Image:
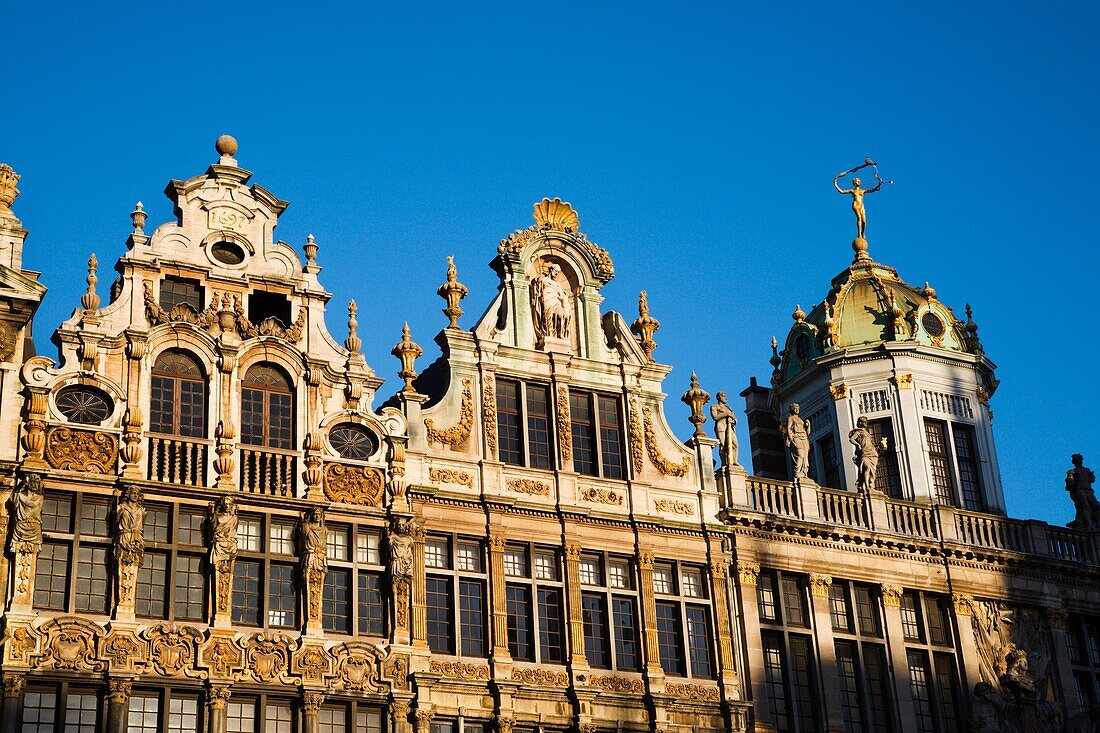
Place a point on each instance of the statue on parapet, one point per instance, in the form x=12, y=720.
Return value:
x=1079, y=480
x=857, y=193
x=866, y=454
x=796, y=435
x=725, y=430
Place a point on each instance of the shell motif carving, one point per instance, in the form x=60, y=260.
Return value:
x=458, y=433
x=557, y=215
x=81, y=450
x=353, y=484
x=662, y=464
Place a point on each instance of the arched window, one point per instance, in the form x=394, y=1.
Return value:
x=178, y=402
x=267, y=408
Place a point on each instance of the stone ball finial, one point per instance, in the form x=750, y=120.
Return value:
x=226, y=145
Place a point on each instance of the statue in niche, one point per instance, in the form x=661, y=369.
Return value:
x=725, y=431
x=26, y=533
x=866, y=454
x=1079, y=480
x=550, y=306
x=796, y=435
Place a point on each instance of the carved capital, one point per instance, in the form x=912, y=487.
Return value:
x=903, y=381
x=719, y=568
x=891, y=595
x=1056, y=618
x=645, y=560
x=747, y=572
x=819, y=584
x=839, y=391
x=217, y=697
x=118, y=690
x=964, y=604
x=497, y=542
x=312, y=702
x=14, y=685
x=572, y=551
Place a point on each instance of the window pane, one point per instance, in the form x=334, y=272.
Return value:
x=838, y=607
x=867, y=609
x=794, y=603
x=336, y=544
x=802, y=677
x=910, y=618
x=693, y=587
x=144, y=714
x=938, y=632
x=611, y=437
x=368, y=547
x=282, y=538
x=246, y=592
x=280, y=430
x=332, y=720
x=155, y=528
x=183, y=715
x=887, y=476
x=699, y=643
x=190, y=527
x=440, y=624
x=57, y=514
x=279, y=718
x=151, y=592
x=550, y=625
x=546, y=566
x=584, y=438
x=51, y=580
x=662, y=580
x=879, y=688
x=520, y=643
x=775, y=680
x=590, y=571
x=669, y=639
x=509, y=438
x=370, y=604
x=469, y=557
x=336, y=601
x=241, y=717
x=935, y=433
x=515, y=562
x=192, y=408
x=970, y=482
x=472, y=609
x=249, y=536
x=625, y=620
x=538, y=426
x=847, y=665
x=93, y=518
x=189, y=597
x=619, y=575
x=437, y=553
x=281, y=601
x=594, y=613
x=92, y=591
x=81, y=712
x=946, y=691
x=766, y=597
x=39, y=711
x=162, y=405
x=252, y=417
x=919, y=687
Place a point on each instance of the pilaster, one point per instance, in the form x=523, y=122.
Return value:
x=499, y=600
x=118, y=704
x=833, y=715
x=14, y=685
x=653, y=669
x=748, y=572
x=577, y=659
x=217, y=700
x=899, y=662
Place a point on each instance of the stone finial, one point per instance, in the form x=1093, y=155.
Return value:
x=799, y=315
x=138, y=217
x=90, y=300
x=645, y=326
x=928, y=292
x=695, y=398
x=972, y=341
x=776, y=361
x=452, y=292
x=226, y=145
x=897, y=322
x=353, y=343
x=407, y=351
x=310, y=248
x=8, y=191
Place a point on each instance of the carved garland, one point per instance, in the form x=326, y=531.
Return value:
x=544, y=677
x=528, y=486
x=489, y=415
x=674, y=507
x=81, y=450
x=450, y=476
x=635, y=428
x=459, y=670
x=618, y=684
x=665, y=466
x=697, y=693
x=601, y=496
x=460, y=431
x=565, y=432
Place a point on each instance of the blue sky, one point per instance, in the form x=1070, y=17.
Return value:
x=697, y=141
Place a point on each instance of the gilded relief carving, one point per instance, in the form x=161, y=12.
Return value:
x=267, y=656
x=20, y=642
x=624, y=685
x=634, y=426
x=489, y=415
x=458, y=433
x=70, y=645
x=172, y=649
x=693, y=693
x=81, y=450
x=450, y=476
x=357, y=667
x=528, y=486
x=543, y=677
x=565, y=432
x=670, y=506
x=662, y=464
x=312, y=663
x=353, y=484
x=222, y=656
x=459, y=670
x=600, y=495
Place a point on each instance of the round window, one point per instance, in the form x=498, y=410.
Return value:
x=933, y=324
x=84, y=405
x=353, y=441
x=227, y=253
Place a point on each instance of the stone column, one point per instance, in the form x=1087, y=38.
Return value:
x=832, y=716
x=499, y=598
x=419, y=592
x=13, y=702
x=399, y=716
x=217, y=698
x=311, y=707
x=723, y=614
x=909, y=440
x=424, y=721
x=576, y=617
x=118, y=704
x=653, y=668
x=895, y=645
x=845, y=422
x=969, y=659
x=1063, y=672
x=747, y=574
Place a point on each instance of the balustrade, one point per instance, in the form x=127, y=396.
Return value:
x=268, y=471
x=774, y=497
x=911, y=520
x=843, y=507
x=175, y=460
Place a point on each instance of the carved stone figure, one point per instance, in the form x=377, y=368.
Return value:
x=314, y=541
x=987, y=710
x=796, y=434
x=1079, y=480
x=550, y=306
x=724, y=430
x=26, y=534
x=223, y=547
x=401, y=548
x=866, y=454
x=130, y=516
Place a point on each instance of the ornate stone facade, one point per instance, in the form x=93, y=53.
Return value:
x=208, y=521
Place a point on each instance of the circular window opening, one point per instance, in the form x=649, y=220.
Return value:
x=227, y=253
x=933, y=325
x=84, y=405
x=353, y=441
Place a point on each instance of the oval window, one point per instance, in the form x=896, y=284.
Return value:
x=802, y=348
x=227, y=253
x=84, y=405
x=353, y=441
x=933, y=325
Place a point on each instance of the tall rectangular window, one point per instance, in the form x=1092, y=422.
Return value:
x=939, y=462
x=79, y=709
x=352, y=598
x=610, y=611
x=670, y=641
x=597, y=434
x=789, y=667
x=684, y=636
x=538, y=426
x=171, y=581
x=862, y=676
x=520, y=639
x=887, y=475
x=523, y=424
x=970, y=474
x=73, y=561
x=264, y=574
x=1083, y=640
x=509, y=436
x=933, y=674
x=472, y=616
x=596, y=646
x=440, y=613
x=456, y=596
x=144, y=714
x=534, y=604
x=827, y=447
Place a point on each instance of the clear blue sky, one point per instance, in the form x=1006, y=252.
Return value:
x=697, y=141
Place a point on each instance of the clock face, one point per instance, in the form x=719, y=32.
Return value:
x=933, y=324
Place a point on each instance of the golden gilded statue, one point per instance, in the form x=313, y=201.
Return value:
x=857, y=193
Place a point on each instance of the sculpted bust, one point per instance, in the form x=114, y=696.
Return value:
x=796, y=434
x=725, y=430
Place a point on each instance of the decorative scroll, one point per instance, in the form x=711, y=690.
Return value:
x=626, y=685
x=489, y=415
x=544, y=677
x=353, y=484
x=747, y=572
x=599, y=495
x=670, y=506
x=70, y=645
x=450, y=476
x=528, y=486
x=81, y=450
x=460, y=431
x=694, y=693
x=565, y=430
x=459, y=670
x=665, y=466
